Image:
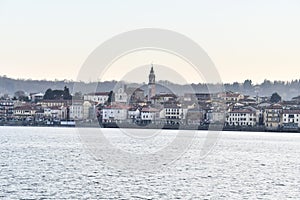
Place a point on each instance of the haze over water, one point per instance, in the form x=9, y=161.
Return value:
x=52, y=163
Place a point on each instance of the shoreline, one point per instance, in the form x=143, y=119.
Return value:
x=155, y=126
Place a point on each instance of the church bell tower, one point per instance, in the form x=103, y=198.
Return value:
x=151, y=84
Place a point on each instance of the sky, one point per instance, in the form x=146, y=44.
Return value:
x=51, y=39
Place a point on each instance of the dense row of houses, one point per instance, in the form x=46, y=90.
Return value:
x=137, y=106
x=190, y=109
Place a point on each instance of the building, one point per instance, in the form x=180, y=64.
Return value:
x=241, y=117
x=98, y=97
x=291, y=118
x=76, y=110
x=151, y=84
x=149, y=115
x=273, y=116
x=163, y=98
x=35, y=97
x=173, y=114
x=54, y=112
x=24, y=111
x=231, y=96
x=133, y=114
x=296, y=99
x=114, y=113
x=120, y=95
x=194, y=116
x=135, y=95
x=51, y=103
x=6, y=109
x=87, y=109
x=214, y=116
x=197, y=97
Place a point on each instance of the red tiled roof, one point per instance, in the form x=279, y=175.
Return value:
x=26, y=107
x=145, y=109
x=242, y=111
x=116, y=107
x=163, y=95
x=274, y=106
x=291, y=111
x=99, y=94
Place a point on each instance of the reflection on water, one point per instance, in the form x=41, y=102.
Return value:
x=53, y=163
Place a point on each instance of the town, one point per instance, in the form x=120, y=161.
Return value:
x=135, y=107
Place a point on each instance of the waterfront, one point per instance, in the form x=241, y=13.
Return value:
x=53, y=163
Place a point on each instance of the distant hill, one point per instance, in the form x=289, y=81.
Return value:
x=287, y=90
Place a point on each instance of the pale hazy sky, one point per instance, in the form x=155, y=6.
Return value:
x=255, y=39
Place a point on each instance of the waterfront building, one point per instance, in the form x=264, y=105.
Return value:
x=133, y=114
x=6, y=109
x=273, y=116
x=291, y=118
x=114, y=113
x=87, y=105
x=214, y=116
x=24, y=111
x=149, y=115
x=241, y=117
x=76, y=110
x=173, y=114
x=194, y=116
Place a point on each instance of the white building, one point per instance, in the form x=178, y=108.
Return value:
x=291, y=118
x=87, y=109
x=241, y=117
x=133, y=113
x=121, y=96
x=6, y=108
x=53, y=112
x=114, y=113
x=149, y=114
x=173, y=114
x=34, y=97
x=76, y=110
x=24, y=111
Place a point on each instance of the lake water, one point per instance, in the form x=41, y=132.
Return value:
x=55, y=163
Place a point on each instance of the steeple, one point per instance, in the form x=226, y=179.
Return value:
x=151, y=84
x=151, y=76
x=152, y=71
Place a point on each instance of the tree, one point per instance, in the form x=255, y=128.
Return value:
x=247, y=85
x=66, y=94
x=275, y=98
x=49, y=94
x=58, y=94
x=236, y=86
x=19, y=94
x=24, y=98
x=110, y=97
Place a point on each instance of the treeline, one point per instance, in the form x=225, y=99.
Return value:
x=286, y=89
